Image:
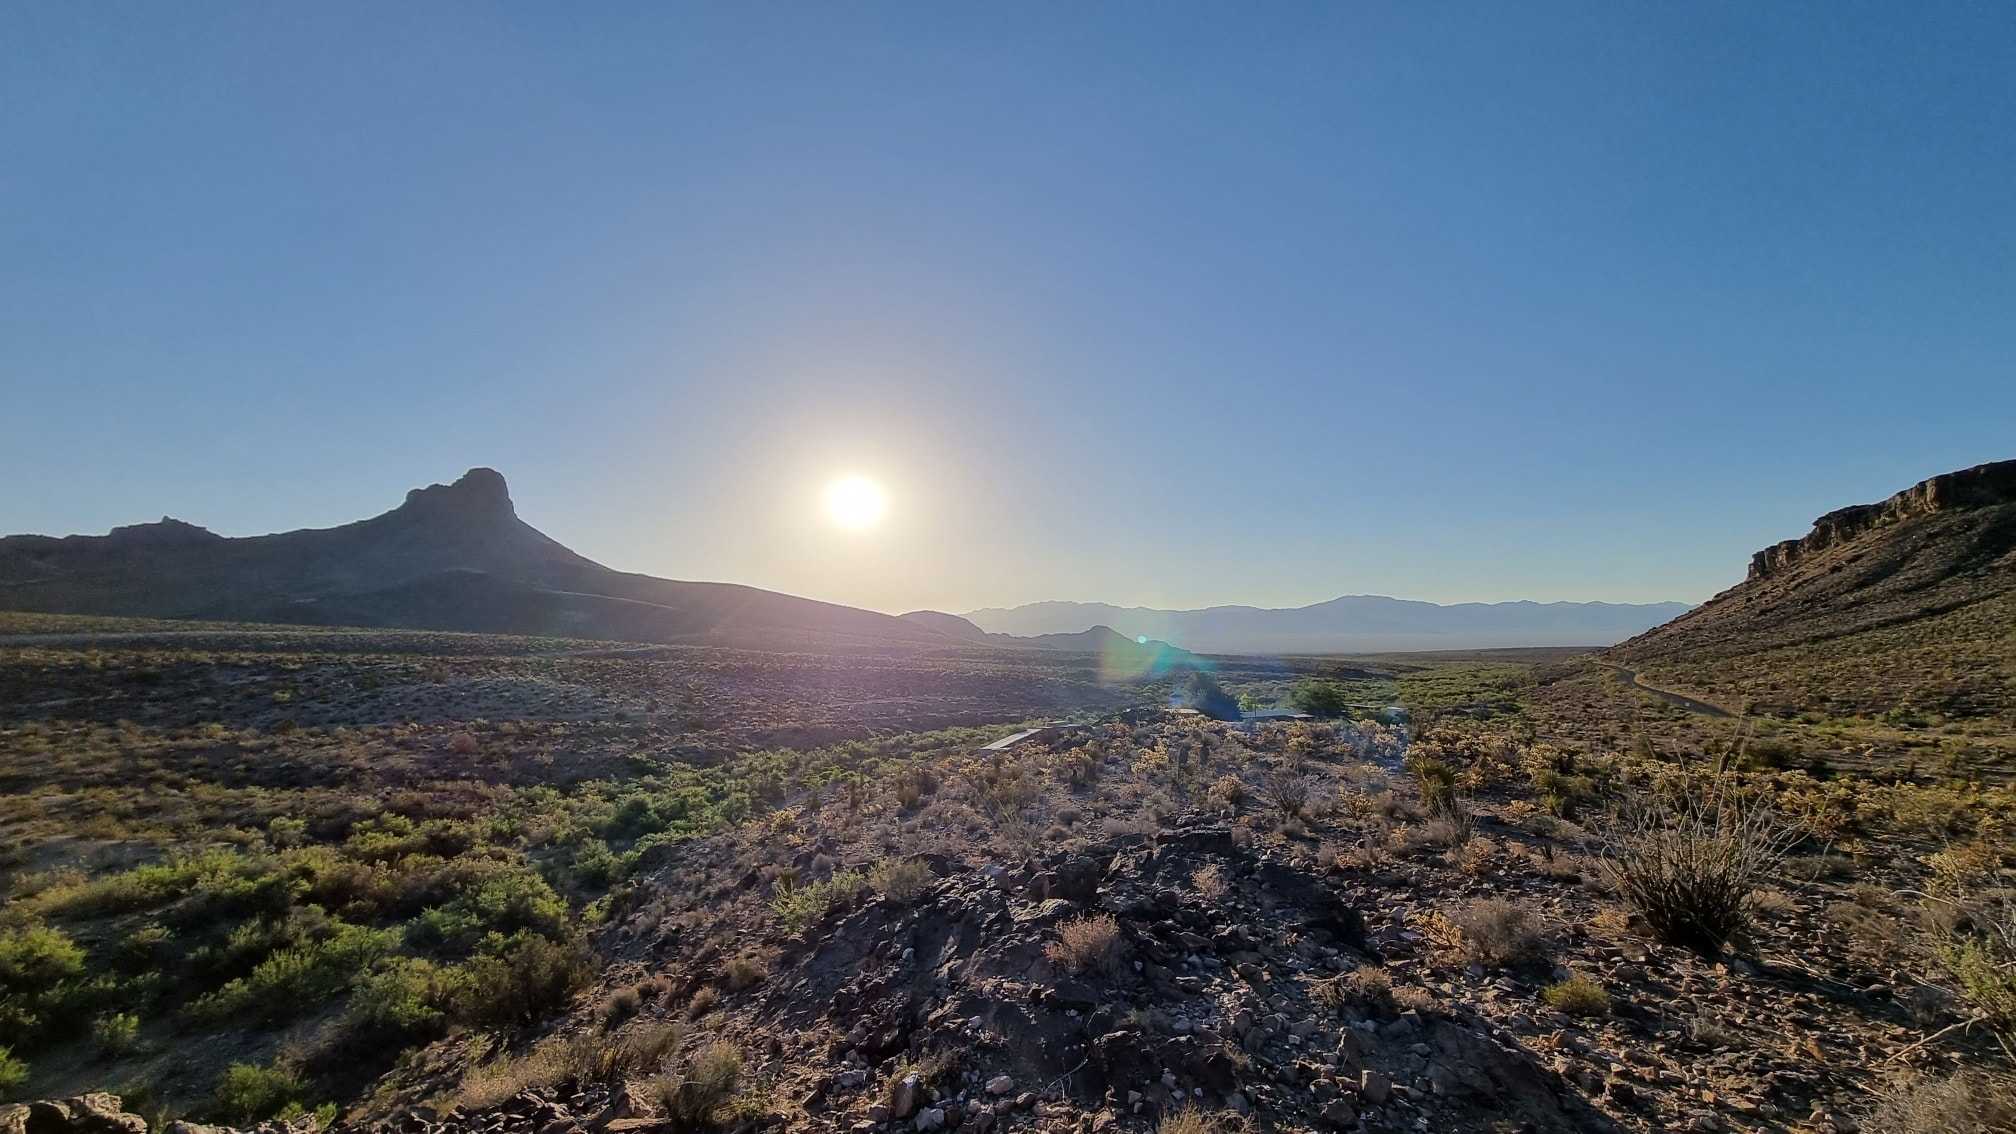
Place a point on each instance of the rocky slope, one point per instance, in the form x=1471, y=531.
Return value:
x=1908, y=605
x=452, y=557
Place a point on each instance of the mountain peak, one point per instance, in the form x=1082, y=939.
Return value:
x=478, y=492
x=166, y=530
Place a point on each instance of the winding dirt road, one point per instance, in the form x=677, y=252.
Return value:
x=1681, y=699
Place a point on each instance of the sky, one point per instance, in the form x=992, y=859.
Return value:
x=1141, y=303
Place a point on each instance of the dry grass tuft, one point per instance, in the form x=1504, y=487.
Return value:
x=900, y=880
x=1187, y=1120
x=1496, y=932
x=692, y=1090
x=1965, y=1103
x=1210, y=882
x=1087, y=944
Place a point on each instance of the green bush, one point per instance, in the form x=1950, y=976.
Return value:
x=1320, y=698
x=800, y=906
x=37, y=957
x=491, y=897
x=517, y=981
x=247, y=1093
x=13, y=1073
x=1577, y=996
x=116, y=1033
x=405, y=1000
x=41, y=971
x=291, y=979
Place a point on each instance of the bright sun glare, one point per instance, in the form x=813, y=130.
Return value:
x=856, y=502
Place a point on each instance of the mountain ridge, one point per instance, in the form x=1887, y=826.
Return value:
x=1348, y=623
x=450, y=557
x=1903, y=606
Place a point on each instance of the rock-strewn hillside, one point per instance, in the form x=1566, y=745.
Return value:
x=1905, y=607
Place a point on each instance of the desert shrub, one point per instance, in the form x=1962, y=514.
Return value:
x=1320, y=698
x=800, y=906
x=490, y=897
x=1287, y=793
x=13, y=1073
x=1451, y=829
x=1086, y=944
x=1577, y=996
x=900, y=880
x=1496, y=932
x=1201, y=691
x=406, y=999
x=1685, y=860
x=292, y=979
x=1437, y=780
x=1209, y=881
x=693, y=1089
x=743, y=970
x=1962, y=1103
x=620, y=1005
x=1977, y=948
x=1187, y=1120
x=702, y=1003
x=115, y=1033
x=248, y=1093
x=1228, y=791
x=1963, y=866
x=40, y=968
x=519, y=980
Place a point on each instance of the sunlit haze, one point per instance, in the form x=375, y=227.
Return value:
x=1234, y=305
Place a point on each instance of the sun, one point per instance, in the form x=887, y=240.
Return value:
x=856, y=502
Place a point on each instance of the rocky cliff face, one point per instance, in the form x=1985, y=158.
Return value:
x=1980, y=486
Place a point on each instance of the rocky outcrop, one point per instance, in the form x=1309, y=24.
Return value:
x=1980, y=486
x=83, y=1114
x=101, y=1113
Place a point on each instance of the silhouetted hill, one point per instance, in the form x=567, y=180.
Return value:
x=1102, y=640
x=1351, y=624
x=452, y=557
x=1904, y=607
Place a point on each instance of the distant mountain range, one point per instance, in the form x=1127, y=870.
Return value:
x=452, y=557
x=1351, y=624
x=457, y=557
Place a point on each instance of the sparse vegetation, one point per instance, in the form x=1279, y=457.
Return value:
x=1086, y=945
x=1686, y=860
x=1577, y=996
x=900, y=880
x=693, y=1089
x=1496, y=932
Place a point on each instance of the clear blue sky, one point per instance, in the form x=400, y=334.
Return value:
x=1562, y=301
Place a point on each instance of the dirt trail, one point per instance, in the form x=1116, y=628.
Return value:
x=1692, y=704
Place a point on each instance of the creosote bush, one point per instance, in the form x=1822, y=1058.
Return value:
x=1577, y=996
x=1496, y=932
x=692, y=1089
x=1086, y=944
x=1686, y=859
x=900, y=880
